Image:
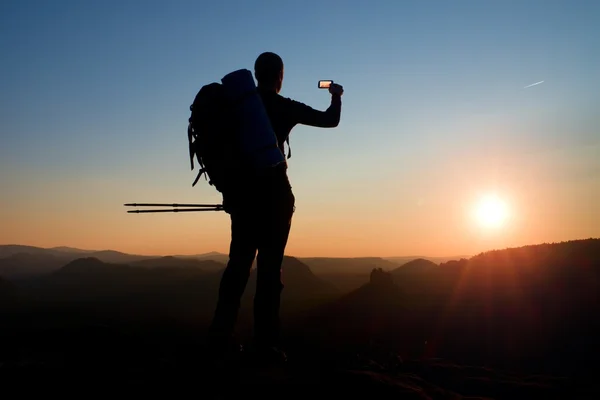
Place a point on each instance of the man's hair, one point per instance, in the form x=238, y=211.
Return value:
x=267, y=67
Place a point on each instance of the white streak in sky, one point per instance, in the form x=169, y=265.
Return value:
x=533, y=84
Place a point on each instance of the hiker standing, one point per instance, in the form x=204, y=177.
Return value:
x=261, y=209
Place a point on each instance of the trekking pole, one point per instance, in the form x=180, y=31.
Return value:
x=175, y=207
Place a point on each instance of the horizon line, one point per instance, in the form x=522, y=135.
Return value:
x=220, y=253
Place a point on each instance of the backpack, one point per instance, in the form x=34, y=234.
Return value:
x=229, y=132
x=210, y=130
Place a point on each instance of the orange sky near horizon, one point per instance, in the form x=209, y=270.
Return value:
x=542, y=207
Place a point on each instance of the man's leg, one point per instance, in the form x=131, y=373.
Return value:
x=242, y=251
x=273, y=240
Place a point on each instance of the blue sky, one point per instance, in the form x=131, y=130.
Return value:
x=94, y=101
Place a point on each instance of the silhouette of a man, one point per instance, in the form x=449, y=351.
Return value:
x=261, y=212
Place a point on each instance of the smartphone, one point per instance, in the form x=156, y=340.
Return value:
x=325, y=84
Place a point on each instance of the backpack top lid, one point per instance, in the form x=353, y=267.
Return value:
x=257, y=139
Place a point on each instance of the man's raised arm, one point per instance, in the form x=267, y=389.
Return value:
x=330, y=118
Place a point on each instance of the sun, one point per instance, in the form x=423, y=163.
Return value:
x=491, y=211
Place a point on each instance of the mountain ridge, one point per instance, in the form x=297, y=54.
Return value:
x=11, y=248
x=23, y=261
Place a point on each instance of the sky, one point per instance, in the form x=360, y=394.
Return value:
x=95, y=96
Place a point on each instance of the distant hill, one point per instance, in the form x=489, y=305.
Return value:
x=327, y=266
x=27, y=265
x=213, y=256
x=417, y=266
x=8, y=250
x=67, y=254
x=24, y=262
x=66, y=249
x=437, y=260
x=178, y=262
x=111, y=256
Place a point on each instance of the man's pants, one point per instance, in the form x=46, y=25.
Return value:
x=260, y=223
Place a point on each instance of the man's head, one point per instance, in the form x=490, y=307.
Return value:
x=268, y=71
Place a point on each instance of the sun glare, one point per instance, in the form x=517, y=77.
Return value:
x=491, y=211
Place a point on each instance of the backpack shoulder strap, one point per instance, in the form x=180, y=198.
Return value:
x=190, y=132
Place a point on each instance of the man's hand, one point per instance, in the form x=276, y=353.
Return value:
x=336, y=89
